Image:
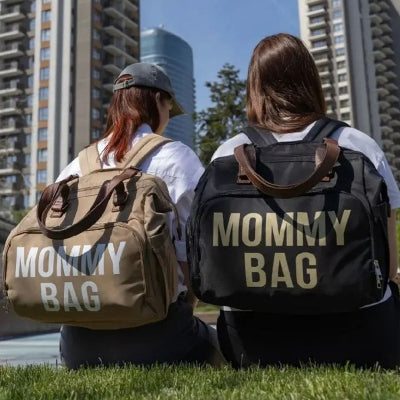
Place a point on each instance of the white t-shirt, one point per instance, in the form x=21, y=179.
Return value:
x=180, y=169
x=347, y=137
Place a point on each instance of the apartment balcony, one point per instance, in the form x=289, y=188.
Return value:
x=387, y=130
x=131, y=6
x=9, y=168
x=388, y=62
x=14, y=31
x=392, y=99
x=383, y=4
x=382, y=91
x=316, y=12
x=380, y=66
x=391, y=86
x=113, y=65
x=377, y=31
x=379, y=55
x=374, y=7
x=396, y=150
x=376, y=20
x=385, y=117
x=394, y=111
x=10, y=127
x=12, y=14
x=116, y=47
x=377, y=43
x=108, y=86
x=117, y=11
x=9, y=188
x=113, y=28
x=383, y=104
x=9, y=147
x=11, y=50
x=385, y=16
x=10, y=69
x=388, y=51
x=390, y=75
x=10, y=88
x=10, y=107
x=381, y=80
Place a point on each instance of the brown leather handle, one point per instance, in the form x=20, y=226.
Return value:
x=331, y=154
x=52, y=192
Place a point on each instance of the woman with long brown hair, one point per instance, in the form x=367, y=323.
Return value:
x=285, y=100
x=142, y=103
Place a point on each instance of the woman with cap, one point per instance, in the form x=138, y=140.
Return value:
x=142, y=103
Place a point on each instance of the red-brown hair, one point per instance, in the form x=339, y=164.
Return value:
x=284, y=92
x=129, y=108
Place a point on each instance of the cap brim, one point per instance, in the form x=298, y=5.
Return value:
x=176, y=109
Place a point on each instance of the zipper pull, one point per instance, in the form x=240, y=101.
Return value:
x=378, y=274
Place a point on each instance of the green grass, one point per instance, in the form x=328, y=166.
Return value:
x=198, y=383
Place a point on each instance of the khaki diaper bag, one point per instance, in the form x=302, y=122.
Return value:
x=96, y=251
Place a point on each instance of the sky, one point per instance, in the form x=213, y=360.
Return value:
x=220, y=31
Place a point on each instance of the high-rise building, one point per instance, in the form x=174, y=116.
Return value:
x=58, y=60
x=175, y=55
x=356, y=47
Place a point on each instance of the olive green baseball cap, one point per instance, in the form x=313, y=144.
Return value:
x=149, y=75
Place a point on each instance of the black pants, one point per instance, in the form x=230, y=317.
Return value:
x=179, y=338
x=364, y=338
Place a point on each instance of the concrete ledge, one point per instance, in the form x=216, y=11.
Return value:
x=13, y=325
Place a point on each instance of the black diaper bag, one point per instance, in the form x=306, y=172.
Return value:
x=290, y=227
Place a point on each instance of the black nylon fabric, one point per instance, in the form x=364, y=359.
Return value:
x=323, y=251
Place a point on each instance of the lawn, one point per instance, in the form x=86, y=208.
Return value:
x=198, y=383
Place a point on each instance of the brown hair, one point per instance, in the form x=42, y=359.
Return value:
x=129, y=108
x=284, y=92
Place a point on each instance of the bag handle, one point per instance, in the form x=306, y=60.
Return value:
x=332, y=151
x=52, y=192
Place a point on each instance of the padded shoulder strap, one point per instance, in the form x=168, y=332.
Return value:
x=259, y=137
x=141, y=150
x=89, y=159
x=322, y=129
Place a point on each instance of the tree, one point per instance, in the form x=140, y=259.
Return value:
x=224, y=119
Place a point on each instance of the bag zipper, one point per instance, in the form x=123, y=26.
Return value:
x=378, y=274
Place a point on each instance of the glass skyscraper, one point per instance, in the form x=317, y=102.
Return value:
x=176, y=57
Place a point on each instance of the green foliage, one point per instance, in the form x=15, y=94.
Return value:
x=227, y=115
x=194, y=383
x=18, y=215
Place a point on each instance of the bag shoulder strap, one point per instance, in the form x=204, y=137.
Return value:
x=135, y=156
x=89, y=159
x=259, y=137
x=322, y=129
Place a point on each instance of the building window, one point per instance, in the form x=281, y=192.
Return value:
x=343, y=90
x=96, y=73
x=336, y=3
x=46, y=15
x=96, y=54
x=316, y=20
x=342, y=77
x=28, y=140
x=345, y=116
x=344, y=103
x=95, y=133
x=339, y=39
x=45, y=35
x=337, y=27
x=44, y=74
x=46, y=1
x=96, y=17
x=96, y=93
x=96, y=34
x=95, y=113
x=43, y=114
x=28, y=119
x=32, y=8
x=316, y=7
x=318, y=43
x=317, y=32
x=31, y=61
x=28, y=159
x=38, y=195
x=32, y=24
x=42, y=134
x=31, y=44
x=341, y=64
x=42, y=155
x=29, y=81
x=26, y=199
x=45, y=53
x=44, y=93
x=41, y=176
x=337, y=14
x=340, y=51
x=29, y=100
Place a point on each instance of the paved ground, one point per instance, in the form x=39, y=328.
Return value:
x=37, y=349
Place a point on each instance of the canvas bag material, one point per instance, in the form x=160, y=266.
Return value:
x=96, y=251
x=290, y=227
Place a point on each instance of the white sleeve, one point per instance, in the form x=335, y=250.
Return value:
x=72, y=168
x=393, y=190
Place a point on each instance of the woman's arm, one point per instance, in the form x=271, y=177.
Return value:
x=393, y=248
